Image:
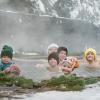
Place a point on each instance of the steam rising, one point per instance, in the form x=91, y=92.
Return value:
x=28, y=32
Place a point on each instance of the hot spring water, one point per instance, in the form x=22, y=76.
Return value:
x=30, y=70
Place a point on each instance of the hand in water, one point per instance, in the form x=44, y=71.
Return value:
x=7, y=70
x=12, y=69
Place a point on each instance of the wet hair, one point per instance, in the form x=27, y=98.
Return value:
x=90, y=50
x=62, y=49
x=55, y=56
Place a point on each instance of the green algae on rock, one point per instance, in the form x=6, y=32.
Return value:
x=62, y=83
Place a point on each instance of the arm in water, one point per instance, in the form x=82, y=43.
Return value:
x=12, y=69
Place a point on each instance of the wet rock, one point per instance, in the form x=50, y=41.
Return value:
x=91, y=80
x=21, y=90
x=24, y=83
x=69, y=82
x=63, y=83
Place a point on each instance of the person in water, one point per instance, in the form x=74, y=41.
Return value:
x=53, y=60
x=91, y=60
x=7, y=66
x=67, y=63
x=52, y=48
x=62, y=53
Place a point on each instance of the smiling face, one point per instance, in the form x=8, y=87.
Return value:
x=53, y=62
x=5, y=59
x=90, y=57
x=62, y=55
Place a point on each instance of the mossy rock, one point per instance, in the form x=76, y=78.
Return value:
x=98, y=78
x=56, y=81
x=74, y=83
x=73, y=80
x=28, y=83
x=23, y=82
x=37, y=85
x=6, y=80
x=91, y=80
x=76, y=88
x=64, y=82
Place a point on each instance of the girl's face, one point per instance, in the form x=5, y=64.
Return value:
x=53, y=62
x=5, y=59
x=62, y=55
x=90, y=56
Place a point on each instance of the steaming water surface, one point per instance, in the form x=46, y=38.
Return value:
x=29, y=69
x=87, y=72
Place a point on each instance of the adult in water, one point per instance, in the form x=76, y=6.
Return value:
x=91, y=60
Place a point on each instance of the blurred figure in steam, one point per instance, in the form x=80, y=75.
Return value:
x=52, y=48
x=7, y=66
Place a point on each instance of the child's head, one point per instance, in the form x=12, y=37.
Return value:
x=53, y=59
x=62, y=52
x=90, y=54
x=52, y=48
x=6, y=54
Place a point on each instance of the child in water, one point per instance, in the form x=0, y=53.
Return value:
x=7, y=66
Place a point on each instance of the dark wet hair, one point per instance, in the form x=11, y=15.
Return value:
x=62, y=49
x=55, y=56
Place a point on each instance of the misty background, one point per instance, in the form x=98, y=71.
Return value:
x=32, y=25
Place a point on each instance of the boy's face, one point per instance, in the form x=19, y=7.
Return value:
x=90, y=56
x=5, y=59
x=53, y=62
x=62, y=55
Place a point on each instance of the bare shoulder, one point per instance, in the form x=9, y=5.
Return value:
x=49, y=68
x=98, y=61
